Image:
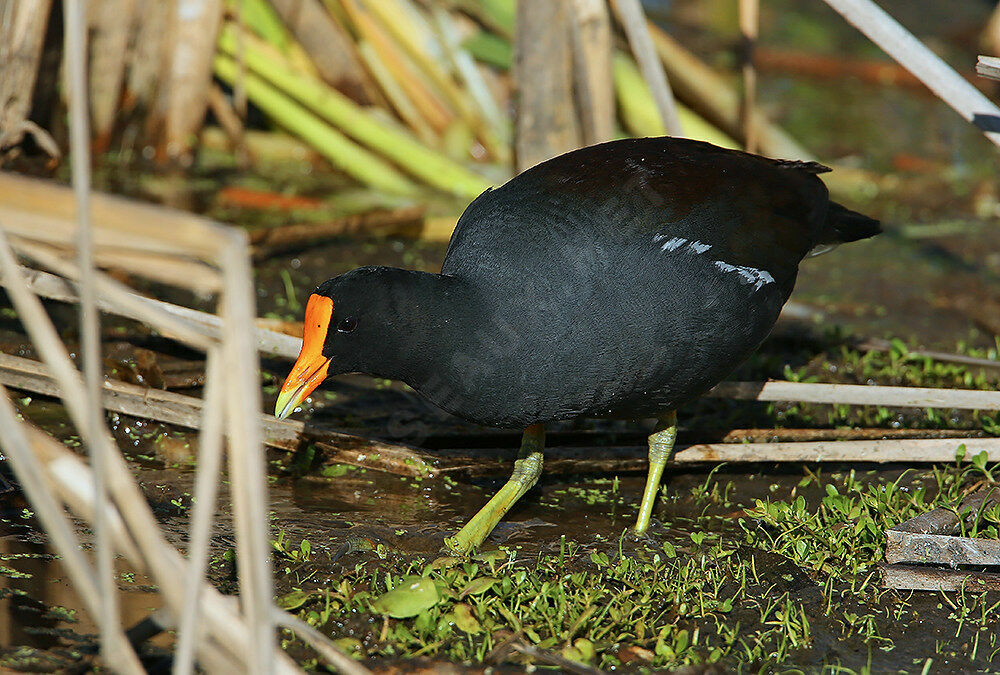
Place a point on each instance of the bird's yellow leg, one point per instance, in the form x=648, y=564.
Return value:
x=661, y=447
x=527, y=469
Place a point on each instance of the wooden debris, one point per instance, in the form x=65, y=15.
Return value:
x=907, y=451
x=169, y=407
x=926, y=540
x=939, y=549
x=856, y=394
x=946, y=521
x=273, y=240
x=909, y=578
x=989, y=66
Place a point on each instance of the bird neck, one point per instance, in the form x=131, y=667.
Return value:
x=427, y=314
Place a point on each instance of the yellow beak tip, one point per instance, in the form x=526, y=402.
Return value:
x=285, y=404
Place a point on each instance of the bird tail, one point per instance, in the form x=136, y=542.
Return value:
x=842, y=226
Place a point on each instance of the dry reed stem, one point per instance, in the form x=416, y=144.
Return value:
x=36, y=484
x=116, y=294
x=881, y=451
x=205, y=493
x=75, y=54
x=246, y=455
x=857, y=394
x=162, y=560
x=123, y=223
x=633, y=20
x=749, y=11
x=989, y=66
x=55, y=288
x=927, y=66
x=594, y=85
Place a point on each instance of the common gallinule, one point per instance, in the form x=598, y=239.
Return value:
x=617, y=280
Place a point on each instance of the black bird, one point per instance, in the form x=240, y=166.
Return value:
x=617, y=280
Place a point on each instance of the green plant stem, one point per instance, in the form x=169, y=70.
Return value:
x=340, y=150
x=433, y=168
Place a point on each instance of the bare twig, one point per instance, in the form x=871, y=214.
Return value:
x=633, y=20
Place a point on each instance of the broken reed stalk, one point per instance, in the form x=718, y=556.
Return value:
x=496, y=130
x=430, y=166
x=710, y=95
x=111, y=29
x=431, y=107
x=194, y=28
x=639, y=113
x=75, y=46
x=927, y=66
x=341, y=662
x=633, y=20
x=222, y=621
x=328, y=46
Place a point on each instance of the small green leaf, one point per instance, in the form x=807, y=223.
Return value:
x=477, y=586
x=465, y=620
x=409, y=598
x=294, y=600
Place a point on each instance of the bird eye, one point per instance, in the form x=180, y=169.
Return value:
x=346, y=325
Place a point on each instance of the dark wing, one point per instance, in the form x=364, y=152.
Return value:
x=754, y=212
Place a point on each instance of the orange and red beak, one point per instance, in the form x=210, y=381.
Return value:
x=310, y=368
